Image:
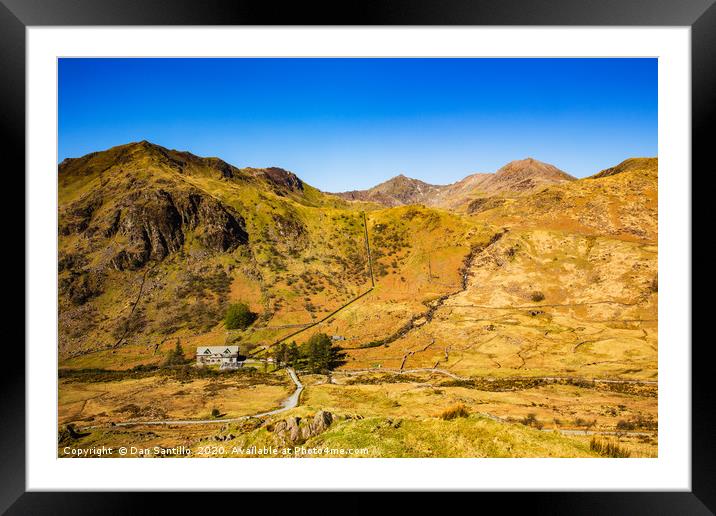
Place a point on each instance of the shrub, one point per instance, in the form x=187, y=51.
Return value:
x=531, y=420
x=537, y=296
x=625, y=425
x=215, y=413
x=639, y=422
x=239, y=316
x=455, y=412
x=608, y=449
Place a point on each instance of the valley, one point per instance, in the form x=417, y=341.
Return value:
x=509, y=314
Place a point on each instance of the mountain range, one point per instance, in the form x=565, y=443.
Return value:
x=154, y=243
x=516, y=178
x=482, y=310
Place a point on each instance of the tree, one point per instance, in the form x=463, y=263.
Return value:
x=239, y=316
x=293, y=354
x=320, y=353
x=175, y=356
x=280, y=354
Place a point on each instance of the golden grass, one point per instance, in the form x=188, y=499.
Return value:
x=154, y=397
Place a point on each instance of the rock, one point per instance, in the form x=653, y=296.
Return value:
x=154, y=223
x=283, y=179
x=294, y=431
x=321, y=421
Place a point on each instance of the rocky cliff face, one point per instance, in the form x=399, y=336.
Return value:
x=148, y=224
x=155, y=222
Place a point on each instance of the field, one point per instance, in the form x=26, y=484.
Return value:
x=156, y=398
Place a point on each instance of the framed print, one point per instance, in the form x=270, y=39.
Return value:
x=418, y=249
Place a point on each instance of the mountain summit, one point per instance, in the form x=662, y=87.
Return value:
x=514, y=179
x=395, y=191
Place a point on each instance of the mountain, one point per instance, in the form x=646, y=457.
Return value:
x=397, y=191
x=621, y=201
x=156, y=242
x=514, y=179
x=631, y=164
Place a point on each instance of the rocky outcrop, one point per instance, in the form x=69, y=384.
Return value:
x=152, y=226
x=294, y=430
x=321, y=421
x=154, y=222
x=78, y=215
x=283, y=179
x=218, y=226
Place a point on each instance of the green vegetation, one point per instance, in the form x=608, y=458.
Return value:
x=176, y=356
x=316, y=355
x=320, y=354
x=454, y=412
x=239, y=317
x=286, y=354
x=608, y=449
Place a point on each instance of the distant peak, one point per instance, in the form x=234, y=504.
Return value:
x=526, y=161
x=141, y=143
x=282, y=177
x=531, y=167
x=402, y=178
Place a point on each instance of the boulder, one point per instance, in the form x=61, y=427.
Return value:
x=321, y=421
x=295, y=431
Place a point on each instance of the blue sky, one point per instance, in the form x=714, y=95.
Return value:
x=351, y=123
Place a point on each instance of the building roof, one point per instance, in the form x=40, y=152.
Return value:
x=217, y=350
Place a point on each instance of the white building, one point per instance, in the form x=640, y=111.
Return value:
x=226, y=357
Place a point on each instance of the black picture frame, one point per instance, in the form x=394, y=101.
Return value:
x=700, y=15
